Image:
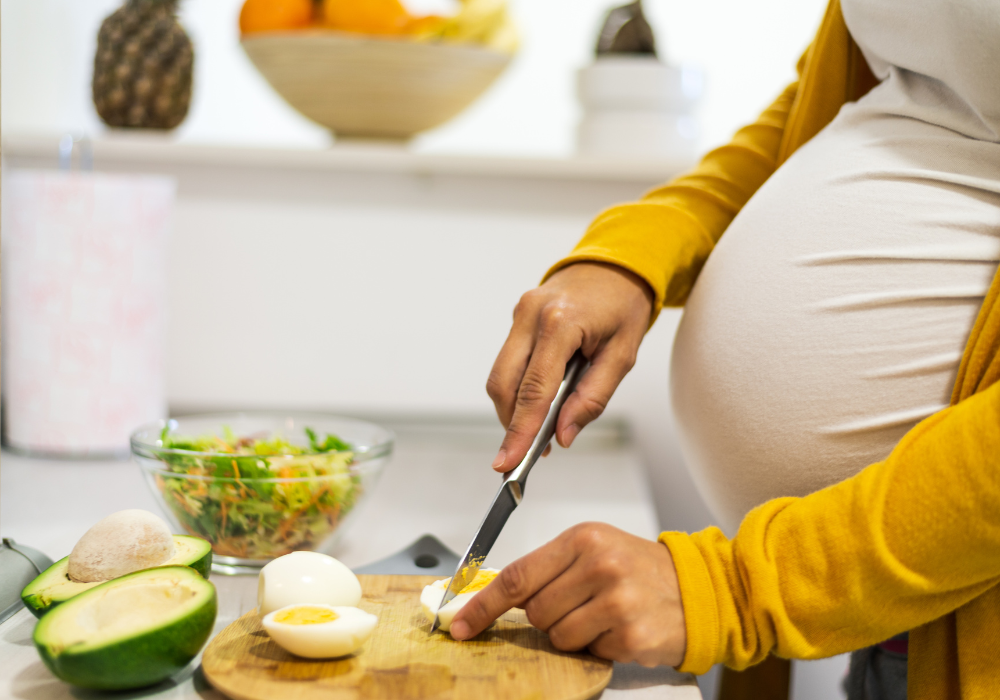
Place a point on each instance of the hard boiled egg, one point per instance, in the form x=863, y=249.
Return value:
x=431, y=596
x=306, y=577
x=319, y=631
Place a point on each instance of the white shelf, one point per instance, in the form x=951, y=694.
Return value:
x=146, y=150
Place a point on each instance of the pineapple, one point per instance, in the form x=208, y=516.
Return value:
x=143, y=66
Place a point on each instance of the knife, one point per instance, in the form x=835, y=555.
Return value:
x=512, y=489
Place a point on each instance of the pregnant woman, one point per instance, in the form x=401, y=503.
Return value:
x=834, y=375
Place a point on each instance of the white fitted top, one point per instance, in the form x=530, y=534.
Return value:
x=832, y=316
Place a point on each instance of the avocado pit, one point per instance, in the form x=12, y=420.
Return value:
x=124, y=542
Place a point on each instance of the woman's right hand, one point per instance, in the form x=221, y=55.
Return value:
x=599, y=308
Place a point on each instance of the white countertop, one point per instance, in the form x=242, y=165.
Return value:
x=438, y=482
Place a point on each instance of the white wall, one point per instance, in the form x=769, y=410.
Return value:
x=746, y=49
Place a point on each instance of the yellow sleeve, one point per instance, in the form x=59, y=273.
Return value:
x=902, y=543
x=666, y=237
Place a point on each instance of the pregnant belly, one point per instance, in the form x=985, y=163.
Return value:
x=832, y=316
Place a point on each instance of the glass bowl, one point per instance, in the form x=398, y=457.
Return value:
x=255, y=507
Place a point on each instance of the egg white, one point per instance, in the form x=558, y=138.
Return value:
x=305, y=577
x=323, y=640
x=430, y=599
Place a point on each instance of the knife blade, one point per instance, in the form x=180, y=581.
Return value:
x=511, y=491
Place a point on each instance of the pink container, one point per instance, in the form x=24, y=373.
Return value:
x=84, y=309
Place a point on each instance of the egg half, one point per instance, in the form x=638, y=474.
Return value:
x=305, y=577
x=320, y=631
x=431, y=596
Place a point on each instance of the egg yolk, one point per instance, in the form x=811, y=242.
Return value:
x=306, y=616
x=480, y=582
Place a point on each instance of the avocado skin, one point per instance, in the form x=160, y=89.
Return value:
x=39, y=604
x=139, y=661
x=204, y=565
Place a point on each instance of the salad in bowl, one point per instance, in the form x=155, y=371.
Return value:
x=260, y=486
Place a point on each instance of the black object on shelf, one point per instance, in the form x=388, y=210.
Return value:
x=626, y=31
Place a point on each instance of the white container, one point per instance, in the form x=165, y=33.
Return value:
x=637, y=134
x=637, y=107
x=84, y=294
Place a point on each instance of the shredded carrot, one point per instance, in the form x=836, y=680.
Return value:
x=291, y=520
x=184, y=504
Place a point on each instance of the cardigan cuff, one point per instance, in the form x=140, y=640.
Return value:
x=663, y=244
x=701, y=613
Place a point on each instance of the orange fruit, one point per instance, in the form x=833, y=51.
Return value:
x=366, y=16
x=275, y=15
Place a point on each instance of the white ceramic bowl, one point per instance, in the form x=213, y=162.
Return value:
x=364, y=86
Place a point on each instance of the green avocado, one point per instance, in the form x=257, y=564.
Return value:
x=130, y=632
x=54, y=586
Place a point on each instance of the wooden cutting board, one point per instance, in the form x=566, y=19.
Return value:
x=510, y=661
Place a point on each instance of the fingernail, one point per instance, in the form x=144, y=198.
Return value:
x=501, y=458
x=459, y=630
x=569, y=435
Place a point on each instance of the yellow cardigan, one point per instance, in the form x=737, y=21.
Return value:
x=911, y=543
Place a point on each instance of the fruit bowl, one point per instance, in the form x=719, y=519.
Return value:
x=364, y=86
x=258, y=486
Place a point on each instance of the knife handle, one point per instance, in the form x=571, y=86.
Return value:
x=575, y=368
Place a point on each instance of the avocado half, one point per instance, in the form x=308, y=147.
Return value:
x=129, y=632
x=54, y=586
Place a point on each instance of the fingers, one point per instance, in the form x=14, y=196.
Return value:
x=556, y=343
x=609, y=366
x=593, y=587
x=505, y=376
x=600, y=308
x=639, y=643
x=581, y=627
x=513, y=586
x=568, y=591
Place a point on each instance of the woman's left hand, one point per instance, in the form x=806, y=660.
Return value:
x=593, y=587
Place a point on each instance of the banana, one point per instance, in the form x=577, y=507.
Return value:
x=476, y=20
x=506, y=38
x=483, y=22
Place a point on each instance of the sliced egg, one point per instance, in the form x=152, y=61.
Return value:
x=431, y=596
x=305, y=577
x=320, y=631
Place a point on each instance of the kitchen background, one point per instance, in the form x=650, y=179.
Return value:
x=378, y=279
